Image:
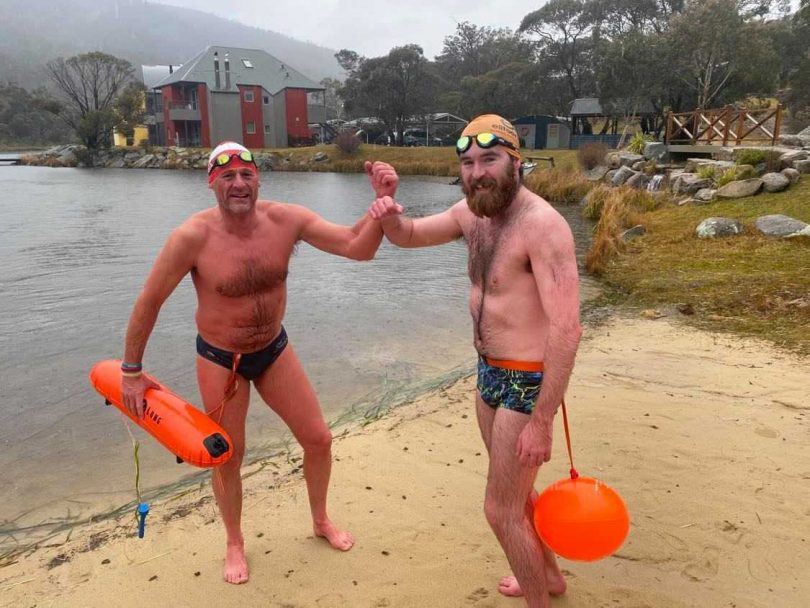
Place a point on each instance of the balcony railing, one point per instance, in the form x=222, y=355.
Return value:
x=182, y=105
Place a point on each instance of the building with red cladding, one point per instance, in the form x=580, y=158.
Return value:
x=243, y=95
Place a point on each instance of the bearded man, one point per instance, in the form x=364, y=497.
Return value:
x=524, y=303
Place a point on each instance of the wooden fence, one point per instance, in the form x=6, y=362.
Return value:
x=727, y=126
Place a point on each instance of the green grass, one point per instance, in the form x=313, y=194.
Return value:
x=751, y=284
x=407, y=161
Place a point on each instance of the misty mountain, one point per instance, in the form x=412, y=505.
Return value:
x=36, y=31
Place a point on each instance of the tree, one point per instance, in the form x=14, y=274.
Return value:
x=24, y=117
x=393, y=88
x=334, y=108
x=708, y=36
x=564, y=29
x=89, y=85
x=130, y=108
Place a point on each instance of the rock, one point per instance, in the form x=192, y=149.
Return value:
x=705, y=195
x=686, y=309
x=713, y=227
x=775, y=182
x=613, y=160
x=622, y=175
x=788, y=158
x=143, y=161
x=740, y=188
x=655, y=150
x=320, y=157
x=627, y=159
x=595, y=174
x=609, y=175
x=693, y=164
x=638, y=181
x=804, y=233
x=802, y=166
x=638, y=230
x=639, y=165
x=779, y=225
x=689, y=183
x=792, y=175
x=651, y=313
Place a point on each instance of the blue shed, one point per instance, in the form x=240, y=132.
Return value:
x=541, y=131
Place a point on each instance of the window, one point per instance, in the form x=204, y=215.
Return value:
x=249, y=96
x=251, y=127
x=247, y=63
x=267, y=129
x=266, y=100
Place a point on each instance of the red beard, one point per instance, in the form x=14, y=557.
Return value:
x=501, y=193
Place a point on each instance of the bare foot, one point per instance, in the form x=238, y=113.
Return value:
x=236, y=567
x=509, y=586
x=337, y=538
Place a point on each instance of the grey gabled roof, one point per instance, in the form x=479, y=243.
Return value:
x=590, y=106
x=586, y=106
x=267, y=71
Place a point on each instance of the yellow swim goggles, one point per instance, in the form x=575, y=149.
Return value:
x=484, y=140
x=223, y=160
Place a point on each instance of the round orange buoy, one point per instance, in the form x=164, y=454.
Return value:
x=581, y=519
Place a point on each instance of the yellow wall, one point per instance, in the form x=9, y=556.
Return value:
x=141, y=134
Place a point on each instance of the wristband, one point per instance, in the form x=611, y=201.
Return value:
x=131, y=374
x=131, y=367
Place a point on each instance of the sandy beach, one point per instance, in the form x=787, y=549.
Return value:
x=704, y=435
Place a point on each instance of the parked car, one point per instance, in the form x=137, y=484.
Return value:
x=419, y=137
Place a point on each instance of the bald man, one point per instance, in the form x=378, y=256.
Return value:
x=238, y=254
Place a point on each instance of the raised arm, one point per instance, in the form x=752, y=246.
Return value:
x=358, y=242
x=553, y=261
x=173, y=262
x=422, y=232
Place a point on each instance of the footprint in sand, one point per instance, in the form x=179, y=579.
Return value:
x=764, y=431
x=704, y=568
x=476, y=596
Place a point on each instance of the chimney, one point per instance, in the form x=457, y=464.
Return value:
x=216, y=70
x=227, y=73
x=171, y=69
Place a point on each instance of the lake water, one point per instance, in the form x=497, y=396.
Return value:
x=76, y=245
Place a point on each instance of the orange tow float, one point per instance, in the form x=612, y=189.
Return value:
x=183, y=429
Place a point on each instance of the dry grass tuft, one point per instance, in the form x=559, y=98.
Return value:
x=561, y=186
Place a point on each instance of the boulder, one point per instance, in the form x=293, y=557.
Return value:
x=740, y=188
x=631, y=233
x=793, y=175
x=788, y=158
x=775, y=182
x=622, y=175
x=802, y=166
x=779, y=225
x=705, y=195
x=713, y=227
x=627, y=159
x=689, y=183
x=655, y=150
x=638, y=181
x=595, y=174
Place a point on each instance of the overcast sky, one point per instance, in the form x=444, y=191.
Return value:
x=369, y=28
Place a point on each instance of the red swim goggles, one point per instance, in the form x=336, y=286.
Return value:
x=224, y=159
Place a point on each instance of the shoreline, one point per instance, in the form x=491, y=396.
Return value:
x=701, y=433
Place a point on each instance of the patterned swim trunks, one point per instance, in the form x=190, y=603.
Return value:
x=513, y=389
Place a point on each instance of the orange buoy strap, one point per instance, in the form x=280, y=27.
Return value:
x=573, y=471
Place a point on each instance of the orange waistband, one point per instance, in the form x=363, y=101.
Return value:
x=522, y=366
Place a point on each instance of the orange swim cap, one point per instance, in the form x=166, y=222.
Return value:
x=497, y=125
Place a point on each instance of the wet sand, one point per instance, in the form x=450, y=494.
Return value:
x=705, y=436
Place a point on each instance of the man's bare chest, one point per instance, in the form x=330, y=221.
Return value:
x=239, y=269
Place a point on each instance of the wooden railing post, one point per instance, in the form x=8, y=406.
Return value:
x=777, y=124
x=740, y=124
